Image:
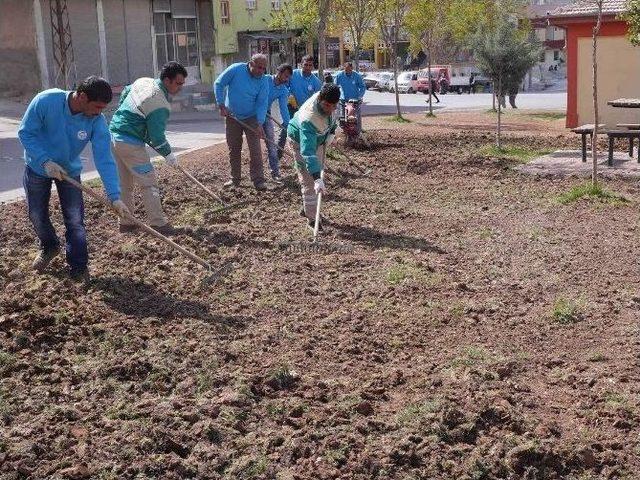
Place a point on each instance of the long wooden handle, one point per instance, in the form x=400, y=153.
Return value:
x=197, y=182
x=286, y=152
x=138, y=223
x=275, y=144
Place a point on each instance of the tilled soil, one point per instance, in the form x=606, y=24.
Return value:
x=458, y=323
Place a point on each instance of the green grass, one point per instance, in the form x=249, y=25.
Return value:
x=565, y=311
x=398, y=119
x=592, y=192
x=402, y=272
x=415, y=413
x=547, y=115
x=94, y=182
x=7, y=361
x=598, y=357
x=513, y=152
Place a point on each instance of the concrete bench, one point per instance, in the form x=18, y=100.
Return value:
x=585, y=130
x=630, y=134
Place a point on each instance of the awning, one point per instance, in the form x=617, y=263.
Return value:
x=267, y=35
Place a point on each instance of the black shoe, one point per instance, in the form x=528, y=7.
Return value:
x=322, y=219
x=261, y=187
x=167, y=230
x=44, y=259
x=312, y=225
x=79, y=275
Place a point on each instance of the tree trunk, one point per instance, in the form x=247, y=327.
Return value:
x=323, y=11
x=499, y=94
x=395, y=73
x=596, y=118
x=430, y=83
x=356, y=51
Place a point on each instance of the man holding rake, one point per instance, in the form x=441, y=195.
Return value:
x=310, y=131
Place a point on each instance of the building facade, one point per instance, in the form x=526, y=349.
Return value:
x=618, y=62
x=243, y=27
x=57, y=43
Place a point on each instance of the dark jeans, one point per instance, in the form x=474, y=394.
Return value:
x=38, y=190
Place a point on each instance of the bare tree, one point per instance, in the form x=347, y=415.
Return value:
x=324, y=8
x=391, y=15
x=596, y=118
x=358, y=16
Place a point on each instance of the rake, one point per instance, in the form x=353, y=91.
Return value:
x=214, y=274
x=225, y=206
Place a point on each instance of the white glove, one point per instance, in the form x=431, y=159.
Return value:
x=120, y=208
x=318, y=186
x=54, y=170
x=171, y=159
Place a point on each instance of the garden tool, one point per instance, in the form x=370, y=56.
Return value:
x=225, y=206
x=213, y=274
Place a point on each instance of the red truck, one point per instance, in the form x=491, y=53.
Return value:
x=422, y=84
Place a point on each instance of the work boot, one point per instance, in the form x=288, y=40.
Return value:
x=261, y=187
x=322, y=219
x=167, y=229
x=128, y=228
x=231, y=183
x=277, y=178
x=312, y=224
x=44, y=259
x=79, y=275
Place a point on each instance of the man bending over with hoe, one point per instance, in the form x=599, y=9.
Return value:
x=141, y=119
x=55, y=129
x=310, y=132
x=242, y=94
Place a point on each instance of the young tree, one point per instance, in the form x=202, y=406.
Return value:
x=504, y=54
x=358, y=16
x=440, y=28
x=596, y=118
x=311, y=17
x=391, y=16
x=297, y=14
x=324, y=8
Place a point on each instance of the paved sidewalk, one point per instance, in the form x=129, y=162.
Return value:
x=567, y=163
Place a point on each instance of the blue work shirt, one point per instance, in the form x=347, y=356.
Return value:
x=303, y=87
x=243, y=94
x=280, y=92
x=351, y=85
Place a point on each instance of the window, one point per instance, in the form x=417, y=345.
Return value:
x=556, y=55
x=225, y=15
x=251, y=4
x=275, y=4
x=176, y=39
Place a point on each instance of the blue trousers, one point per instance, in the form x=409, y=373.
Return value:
x=38, y=190
x=274, y=153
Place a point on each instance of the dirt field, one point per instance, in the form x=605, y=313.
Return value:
x=464, y=324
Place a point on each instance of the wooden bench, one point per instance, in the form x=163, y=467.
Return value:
x=585, y=130
x=631, y=134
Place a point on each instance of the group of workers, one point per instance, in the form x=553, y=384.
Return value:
x=58, y=124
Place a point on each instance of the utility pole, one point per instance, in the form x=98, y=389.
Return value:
x=65, y=66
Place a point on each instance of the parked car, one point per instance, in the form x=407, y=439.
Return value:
x=378, y=81
x=371, y=80
x=406, y=82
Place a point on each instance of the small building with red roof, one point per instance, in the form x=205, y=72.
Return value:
x=618, y=62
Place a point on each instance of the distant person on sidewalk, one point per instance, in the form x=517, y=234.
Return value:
x=278, y=92
x=310, y=131
x=141, y=119
x=242, y=92
x=55, y=128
